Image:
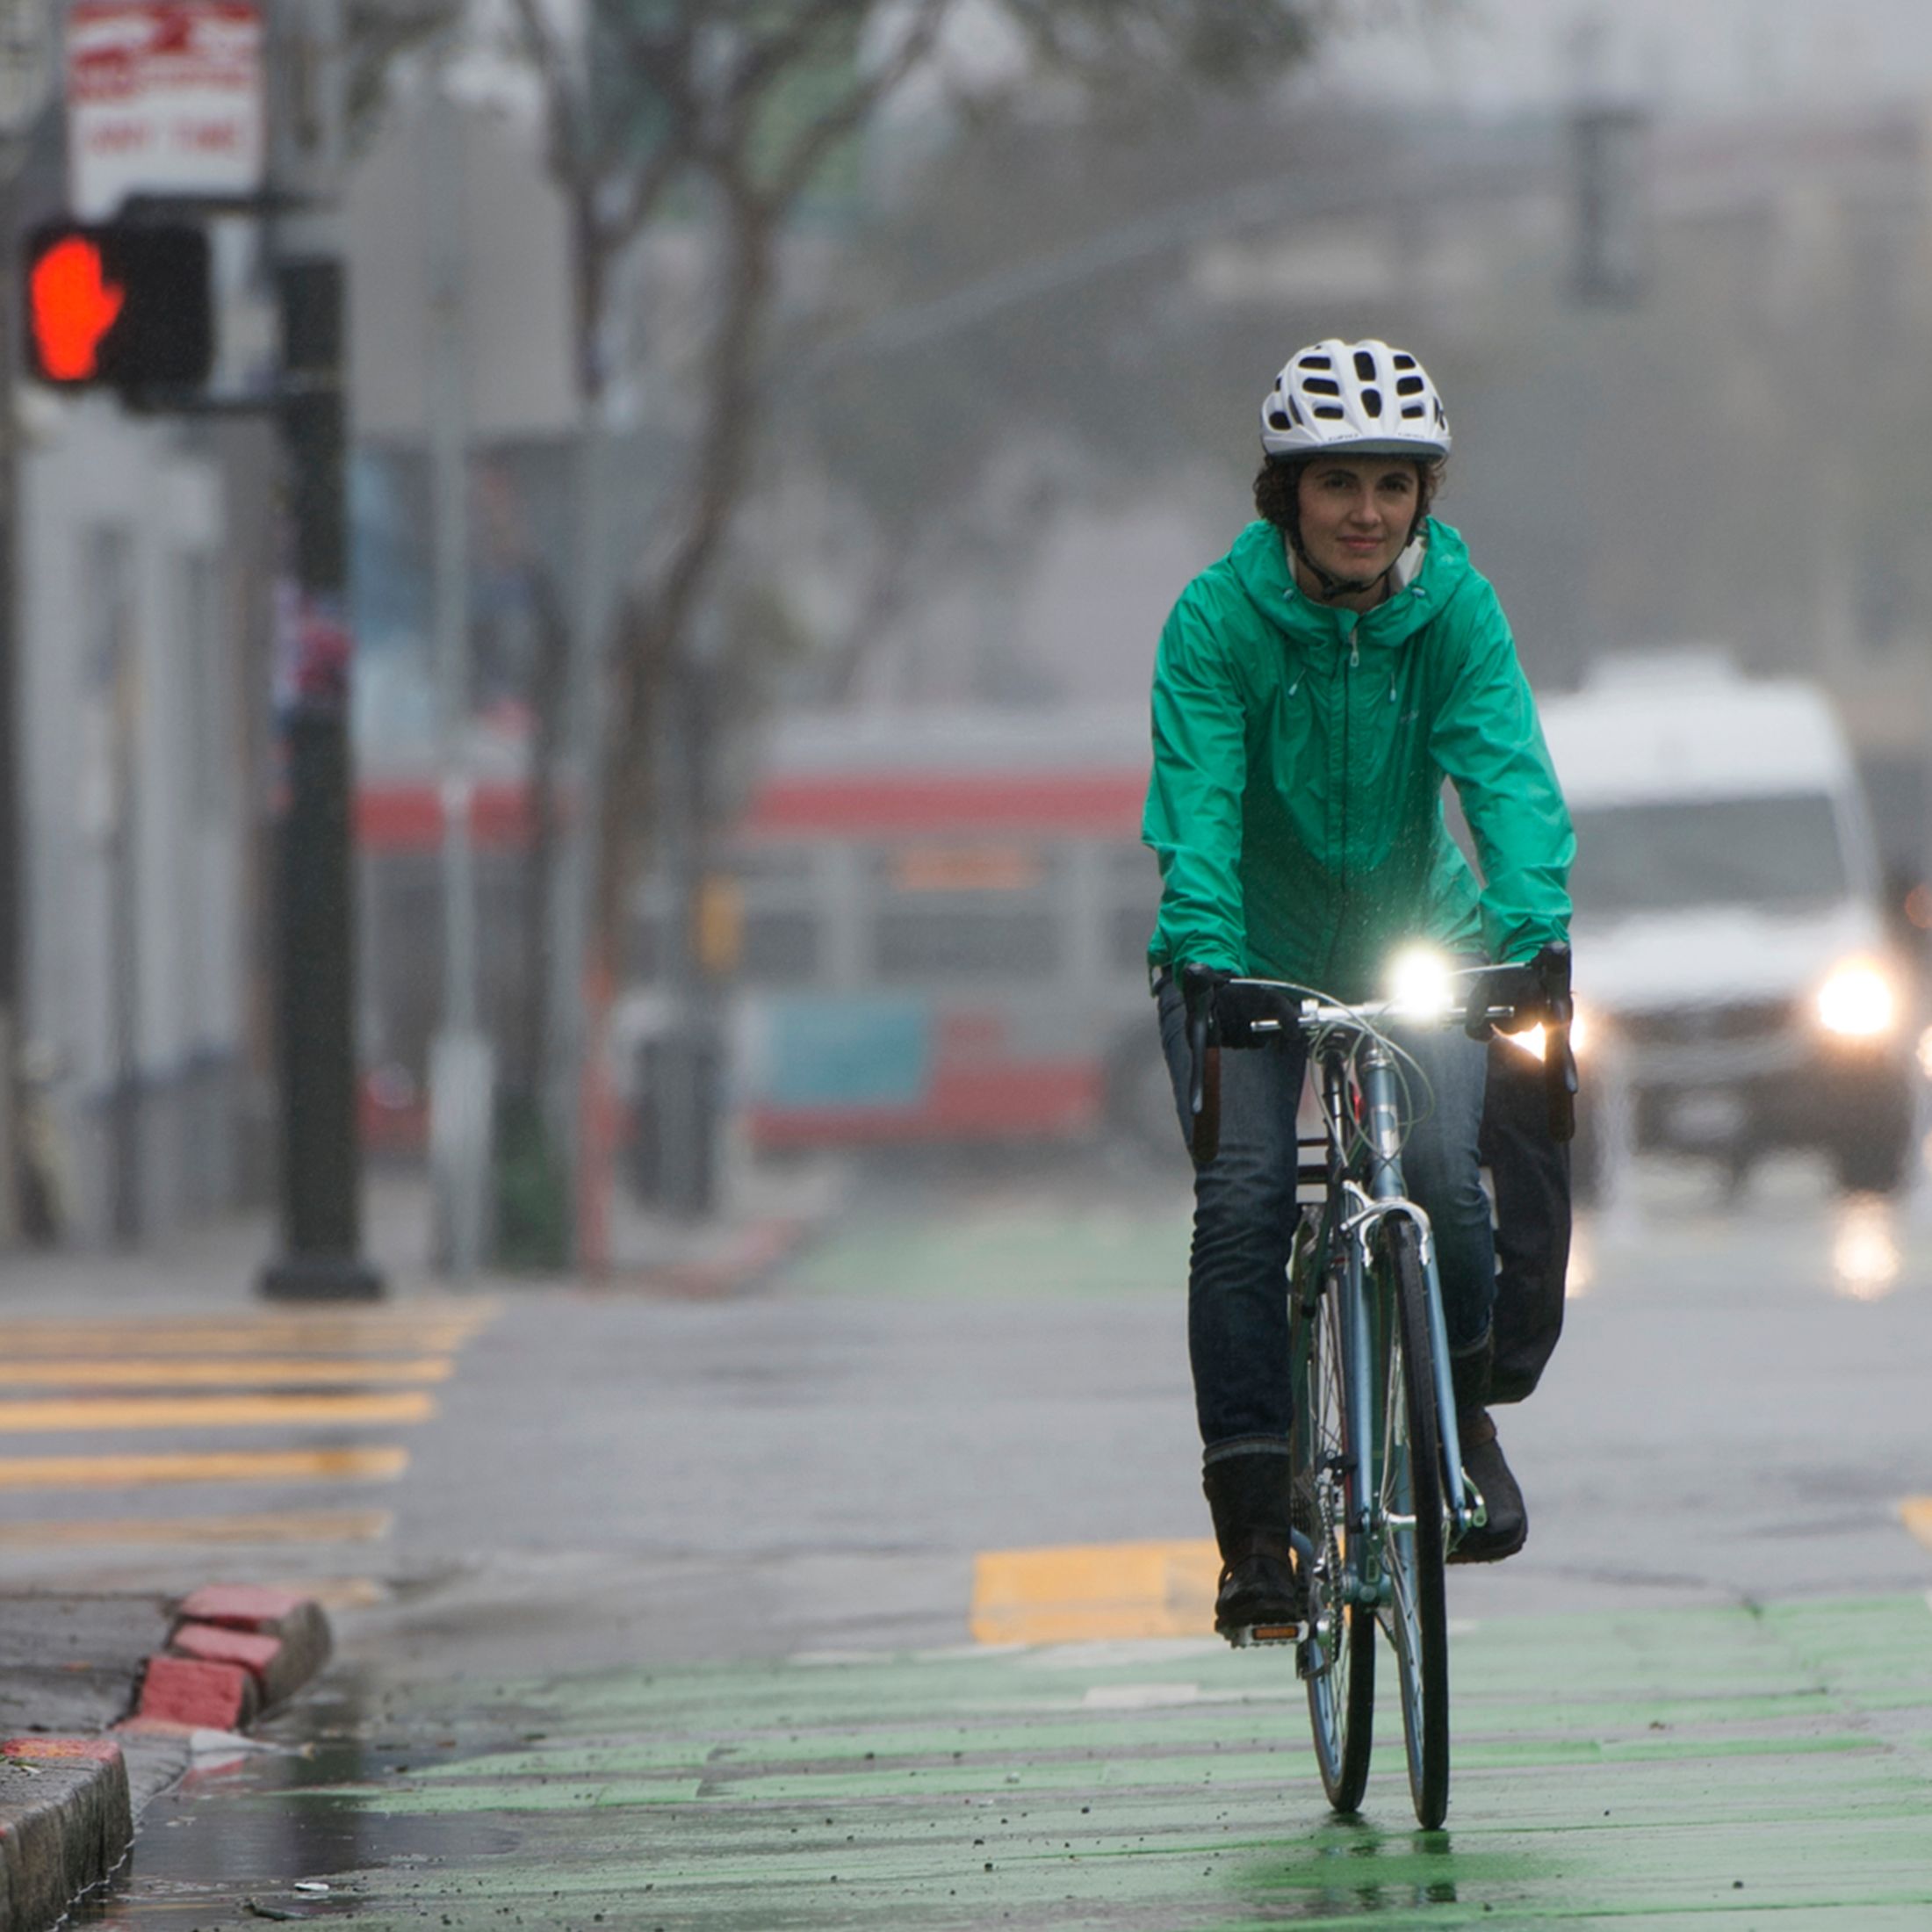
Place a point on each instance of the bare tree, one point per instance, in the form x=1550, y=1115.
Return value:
x=731, y=110
x=741, y=103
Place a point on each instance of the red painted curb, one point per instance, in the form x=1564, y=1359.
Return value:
x=101, y=1750
x=213, y=1644
x=216, y=1697
x=280, y=1639
x=241, y=1606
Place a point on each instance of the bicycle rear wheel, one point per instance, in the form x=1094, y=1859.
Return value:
x=1337, y=1658
x=1413, y=1534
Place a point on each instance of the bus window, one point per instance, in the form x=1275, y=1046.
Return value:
x=782, y=918
x=780, y=946
x=980, y=912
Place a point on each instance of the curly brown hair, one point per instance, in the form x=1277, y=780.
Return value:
x=1277, y=484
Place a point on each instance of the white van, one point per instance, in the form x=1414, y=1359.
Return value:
x=1732, y=962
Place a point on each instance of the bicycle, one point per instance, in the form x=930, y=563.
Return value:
x=1379, y=1497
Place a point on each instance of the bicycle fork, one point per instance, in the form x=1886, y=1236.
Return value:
x=1366, y=1213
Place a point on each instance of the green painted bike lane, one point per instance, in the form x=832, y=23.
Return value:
x=1762, y=1768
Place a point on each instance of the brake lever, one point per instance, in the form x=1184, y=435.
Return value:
x=1553, y=963
x=1203, y=1090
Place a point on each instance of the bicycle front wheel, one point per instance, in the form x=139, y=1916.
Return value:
x=1416, y=1614
x=1337, y=1658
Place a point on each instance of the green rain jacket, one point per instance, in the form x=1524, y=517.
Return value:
x=1296, y=801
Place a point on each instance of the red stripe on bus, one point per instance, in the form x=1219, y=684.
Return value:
x=410, y=817
x=1104, y=803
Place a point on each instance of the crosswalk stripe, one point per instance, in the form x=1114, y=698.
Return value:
x=285, y=1526
x=242, y=1373
x=111, y=1471
x=211, y=1411
x=244, y=1337
x=338, y=1592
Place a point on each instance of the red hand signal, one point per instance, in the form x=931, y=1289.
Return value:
x=73, y=305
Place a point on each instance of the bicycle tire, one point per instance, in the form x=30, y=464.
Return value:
x=1416, y=1616
x=1337, y=1660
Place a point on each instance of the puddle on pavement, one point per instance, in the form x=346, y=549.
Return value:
x=221, y=1851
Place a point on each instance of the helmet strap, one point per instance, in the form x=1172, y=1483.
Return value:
x=1332, y=585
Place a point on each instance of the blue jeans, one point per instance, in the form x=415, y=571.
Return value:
x=1245, y=1216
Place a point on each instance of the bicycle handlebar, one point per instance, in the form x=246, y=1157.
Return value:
x=1243, y=1011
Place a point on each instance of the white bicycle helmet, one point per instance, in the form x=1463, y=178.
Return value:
x=1363, y=397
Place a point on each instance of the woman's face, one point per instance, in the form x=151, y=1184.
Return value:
x=1356, y=514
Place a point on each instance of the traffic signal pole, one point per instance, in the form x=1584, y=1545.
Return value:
x=321, y=1256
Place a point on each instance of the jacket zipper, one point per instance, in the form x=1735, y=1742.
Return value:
x=1341, y=895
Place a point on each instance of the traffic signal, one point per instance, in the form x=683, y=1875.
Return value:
x=124, y=304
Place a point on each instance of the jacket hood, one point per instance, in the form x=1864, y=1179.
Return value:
x=1259, y=562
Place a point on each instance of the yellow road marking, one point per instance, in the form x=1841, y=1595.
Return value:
x=288, y=1526
x=212, y=1411
x=383, y=1465
x=339, y=1592
x=1917, y=1513
x=1093, y=1590
x=244, y=1373
x=375, y=1332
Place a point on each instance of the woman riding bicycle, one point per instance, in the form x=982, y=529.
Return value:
x=1313, y=690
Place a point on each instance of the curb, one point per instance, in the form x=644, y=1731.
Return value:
x=68, y=1805
x=755, y=1253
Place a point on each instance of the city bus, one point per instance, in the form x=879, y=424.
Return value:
x=944, y=925
x=939, y=926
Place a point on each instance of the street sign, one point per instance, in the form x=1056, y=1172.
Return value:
x=164, y=98
x=27, y=63
x=125, y=306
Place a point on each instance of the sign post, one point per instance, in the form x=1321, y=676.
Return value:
x=321, y=1209
x=26, y=73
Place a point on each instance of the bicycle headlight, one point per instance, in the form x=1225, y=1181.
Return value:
x=1421, y=984
x=1858, y=1001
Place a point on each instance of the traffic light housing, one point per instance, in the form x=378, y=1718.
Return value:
x=121, y=304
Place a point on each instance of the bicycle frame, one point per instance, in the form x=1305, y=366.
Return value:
x=1351, y=1213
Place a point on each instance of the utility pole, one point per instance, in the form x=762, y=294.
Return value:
x=578, y=986
x=26, y=73
x=1610, y=160
x=462, y=1072
x=321, y=1219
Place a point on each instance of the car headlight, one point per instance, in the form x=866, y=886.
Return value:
x=1858, y=1001
x=1421, y=984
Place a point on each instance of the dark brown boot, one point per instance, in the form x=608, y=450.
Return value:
x=1261, y=1587
x=1508, y=1525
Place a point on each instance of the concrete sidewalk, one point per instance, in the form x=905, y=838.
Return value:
x=104, y=1701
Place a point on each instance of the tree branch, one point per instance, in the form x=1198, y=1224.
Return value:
x=793, y=175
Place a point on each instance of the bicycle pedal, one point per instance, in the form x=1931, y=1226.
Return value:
x=1252, y=1636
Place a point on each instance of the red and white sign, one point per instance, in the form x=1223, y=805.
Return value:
x=163, y=96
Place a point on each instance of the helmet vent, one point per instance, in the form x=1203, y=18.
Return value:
x=1403, y=360
x=1410, y=385
x=1411, y=409
x=1279, y=419
x=1323, y=386
x=1330, y=412
x=1315, y=362
x=1364, y=365
x=1372, y=401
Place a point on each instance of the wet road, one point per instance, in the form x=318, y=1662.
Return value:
x=678, y=1621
